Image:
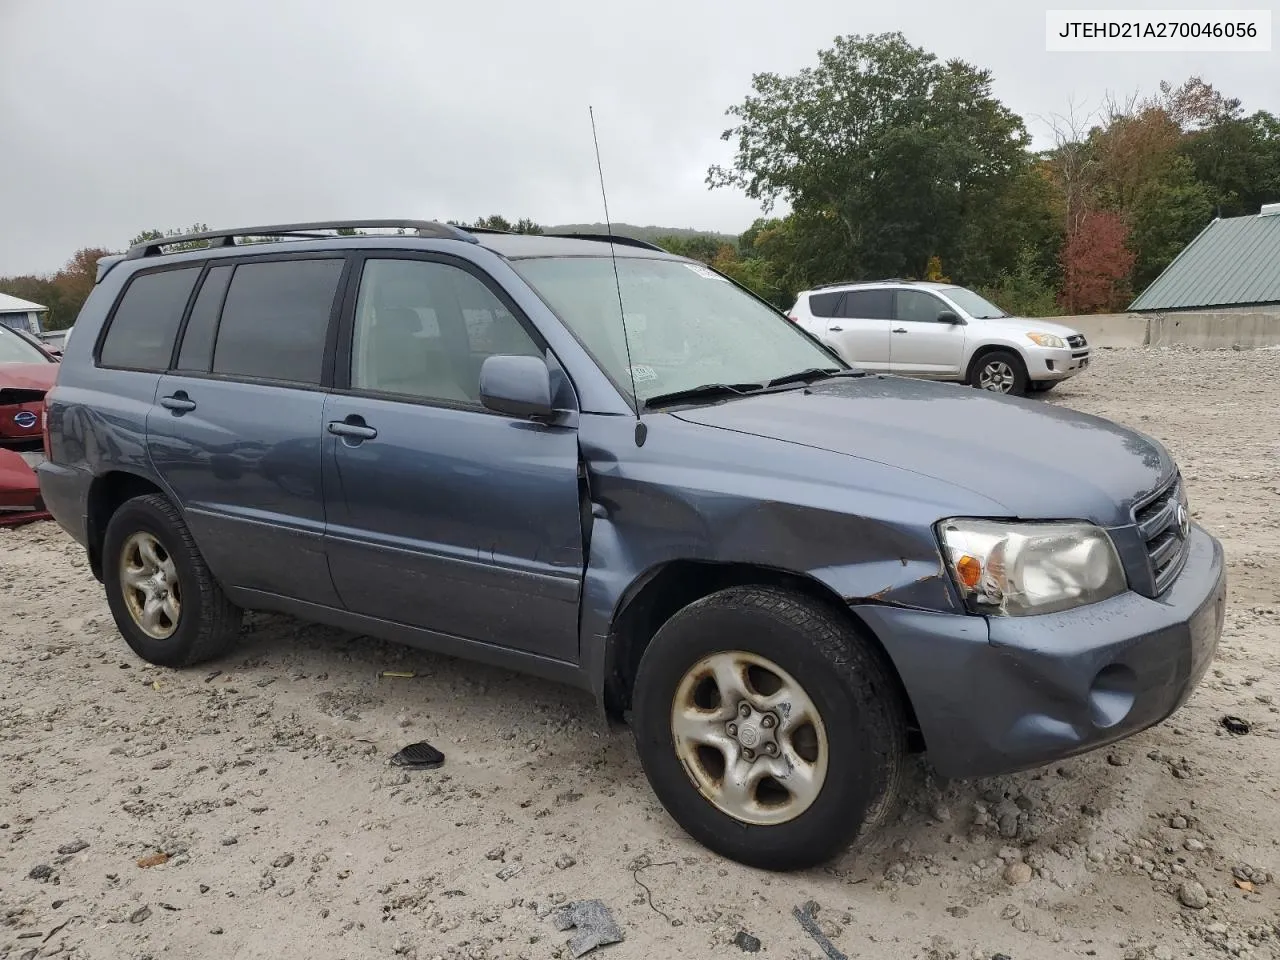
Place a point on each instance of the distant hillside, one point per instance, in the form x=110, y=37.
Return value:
x=650, y=234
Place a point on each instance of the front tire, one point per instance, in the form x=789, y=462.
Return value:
x=769, y=729
x=164, y=600
x=1001, y=371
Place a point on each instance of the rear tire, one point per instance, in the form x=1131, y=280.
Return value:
x=815, y=700
x=1000, y=371
x=165, y=601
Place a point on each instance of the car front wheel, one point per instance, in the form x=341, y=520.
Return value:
x=1001, y=371
x=771, y=731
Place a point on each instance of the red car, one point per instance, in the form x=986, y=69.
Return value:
x=27, y=372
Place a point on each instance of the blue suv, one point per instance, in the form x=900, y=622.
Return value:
x=590, y=460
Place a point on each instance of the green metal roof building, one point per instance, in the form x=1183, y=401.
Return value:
x=1233, y=263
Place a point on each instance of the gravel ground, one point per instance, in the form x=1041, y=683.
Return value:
x=246, y=809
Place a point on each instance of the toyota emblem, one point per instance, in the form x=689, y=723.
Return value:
x=1184, y=522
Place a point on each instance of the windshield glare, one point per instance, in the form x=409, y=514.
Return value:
x=686, y=325
x=975, y=306
x=14, y=349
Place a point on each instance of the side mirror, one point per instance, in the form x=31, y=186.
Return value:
x=517, y=386
x=948, y=316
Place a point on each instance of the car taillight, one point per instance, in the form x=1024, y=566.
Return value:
x=44, y=430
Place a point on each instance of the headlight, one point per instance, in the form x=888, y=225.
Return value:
x=1021, y=569
x=1047, y=340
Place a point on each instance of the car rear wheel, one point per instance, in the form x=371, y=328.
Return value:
x=1000, y=371
x=164, y=599
x=771, y=731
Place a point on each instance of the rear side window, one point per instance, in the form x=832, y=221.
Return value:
x=824, y=304
x=146, y=320
x=275, y=320
x=868, y=305
x=197, y=343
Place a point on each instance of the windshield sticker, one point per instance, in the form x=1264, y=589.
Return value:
x=703, y=272
x=643, y=374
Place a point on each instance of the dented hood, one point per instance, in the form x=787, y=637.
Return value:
x=28, y=376
x=1038, y=460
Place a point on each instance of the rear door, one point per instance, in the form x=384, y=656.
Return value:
x=921, y=345
x=443, y=515
x=859, y=328
x=236, y=428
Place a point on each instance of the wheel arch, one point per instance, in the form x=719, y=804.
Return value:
x=658, y=594
x=107, y=492
x=986, y=350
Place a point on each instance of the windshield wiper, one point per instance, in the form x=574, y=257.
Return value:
x=706, y=390
x=814, y=373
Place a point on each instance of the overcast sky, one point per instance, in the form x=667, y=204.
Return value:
x=117, y=116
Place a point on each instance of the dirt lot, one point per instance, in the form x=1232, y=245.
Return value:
x=266, y=784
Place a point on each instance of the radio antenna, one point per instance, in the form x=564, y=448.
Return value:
x=617, y=281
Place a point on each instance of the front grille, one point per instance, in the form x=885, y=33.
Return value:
x=1076, y=340
x=1163, y=526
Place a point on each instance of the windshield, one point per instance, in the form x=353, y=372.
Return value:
x=14, y=349
x=975, y=306
x=686, y=325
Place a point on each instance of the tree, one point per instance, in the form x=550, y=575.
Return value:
x=498, y=222
x=1167, y=213
x=889, y=154
x=1096, y=264
x=147, y=236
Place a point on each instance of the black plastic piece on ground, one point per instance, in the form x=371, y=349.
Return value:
x=419, y=756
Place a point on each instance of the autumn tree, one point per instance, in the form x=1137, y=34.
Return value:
x=1096, y=264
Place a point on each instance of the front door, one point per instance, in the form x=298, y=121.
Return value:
x=441, y=514
x=921, y=345
x=859, y=328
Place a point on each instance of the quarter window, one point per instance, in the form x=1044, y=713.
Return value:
x=275, y=320
x=146, y=320
x=423, y=329
x=824, y=304
x=197, y=342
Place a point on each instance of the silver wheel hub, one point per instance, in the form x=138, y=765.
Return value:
x=997, y=376
x=149, y=582
x=750, y=738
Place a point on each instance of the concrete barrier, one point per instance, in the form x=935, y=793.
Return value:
x=1109, y=329
x=1204, y=330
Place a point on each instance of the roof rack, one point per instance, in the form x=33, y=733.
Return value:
x=227, y=238
x=619, y=239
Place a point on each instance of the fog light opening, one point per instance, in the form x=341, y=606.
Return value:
x=1111, y=696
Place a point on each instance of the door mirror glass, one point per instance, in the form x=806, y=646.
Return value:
x=948, y=316
x=517, y=386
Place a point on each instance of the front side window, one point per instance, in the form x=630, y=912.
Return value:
x=918, y=307
x=686, y=326
x=14, y=349
x=145, y=323
x=275, y=320
x=423, y=329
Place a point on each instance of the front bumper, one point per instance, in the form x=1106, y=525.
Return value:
x=1001, y=694
x=1051, y=363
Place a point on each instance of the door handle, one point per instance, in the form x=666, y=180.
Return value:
x=355, y=431
x=835, y=329
x=178, y=402
x=900, y=330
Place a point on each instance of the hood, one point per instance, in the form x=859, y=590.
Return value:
x=1038, y=461
x=1017, y=327
x=28, y=376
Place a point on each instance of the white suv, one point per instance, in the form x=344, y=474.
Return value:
x=942, y=332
